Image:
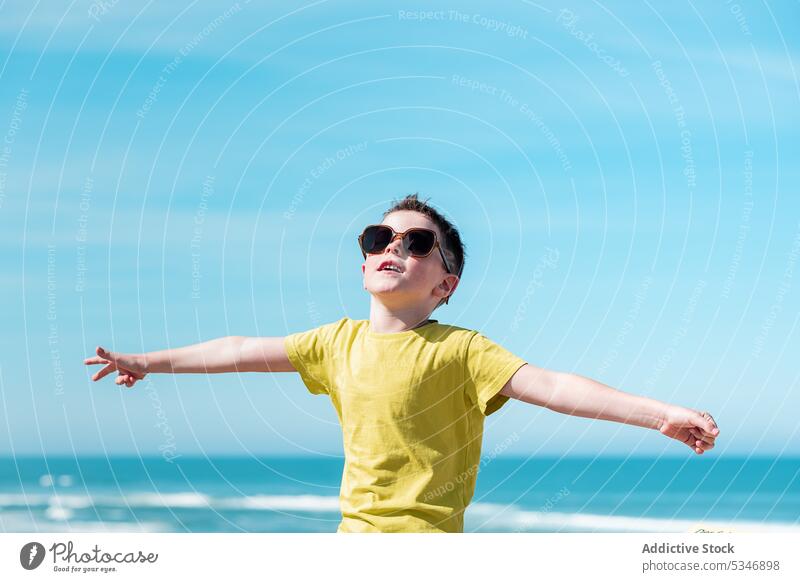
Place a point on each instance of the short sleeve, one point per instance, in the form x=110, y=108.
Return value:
x=488, y=367
x=311, y=354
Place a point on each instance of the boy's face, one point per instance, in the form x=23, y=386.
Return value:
x=421, y=279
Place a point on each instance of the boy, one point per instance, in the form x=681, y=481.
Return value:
x=411, y=393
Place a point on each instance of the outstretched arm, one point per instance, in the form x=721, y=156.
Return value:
x=580, y=396
x=225, y=354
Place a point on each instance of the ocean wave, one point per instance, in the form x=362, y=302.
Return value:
x=320, y=503
x=19, y=521
x=59, y=503
x=496, y=517
x=480, y=516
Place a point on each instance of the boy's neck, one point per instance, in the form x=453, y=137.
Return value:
x=383, y=319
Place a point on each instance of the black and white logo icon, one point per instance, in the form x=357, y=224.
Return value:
x=31, y=555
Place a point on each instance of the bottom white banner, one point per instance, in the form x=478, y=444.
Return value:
x=419, y=557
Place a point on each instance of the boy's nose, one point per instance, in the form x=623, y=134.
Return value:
x=395, y=245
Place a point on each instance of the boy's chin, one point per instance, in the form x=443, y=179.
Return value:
x=395, y=299
x=385, y=293
x=390, y=296
x=385, y=287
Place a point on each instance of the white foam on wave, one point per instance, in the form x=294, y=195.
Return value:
x=282, y=502
x=480, y=516
x=313, y=503
x=21, y=522
x=70, y=500
x=76, y=501
x=58, y=513
x=184, y=499
x=494, y=517
x=11, y=500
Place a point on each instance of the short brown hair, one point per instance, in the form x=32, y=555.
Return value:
x=452, y=245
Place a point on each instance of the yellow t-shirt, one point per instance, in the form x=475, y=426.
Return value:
x=411, y=406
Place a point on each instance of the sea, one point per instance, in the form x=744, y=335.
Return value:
x=300, y=494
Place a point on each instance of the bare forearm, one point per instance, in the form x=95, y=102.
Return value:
x=214, y=356
x=581, y=396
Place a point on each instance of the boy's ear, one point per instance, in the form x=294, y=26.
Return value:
x=449, y=285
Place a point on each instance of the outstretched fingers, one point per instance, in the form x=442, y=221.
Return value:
x=125, y=377
x=104, y=372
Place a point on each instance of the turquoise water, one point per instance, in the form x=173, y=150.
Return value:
x=282, y=494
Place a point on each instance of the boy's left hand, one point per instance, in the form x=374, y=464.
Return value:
x=693, y=428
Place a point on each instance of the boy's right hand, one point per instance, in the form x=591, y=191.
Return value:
x=130, y=366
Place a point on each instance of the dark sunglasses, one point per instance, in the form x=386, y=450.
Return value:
x=418, y=242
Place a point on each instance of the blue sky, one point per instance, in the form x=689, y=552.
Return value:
x=163, y=181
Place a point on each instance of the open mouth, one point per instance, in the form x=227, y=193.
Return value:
x=388, y=267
